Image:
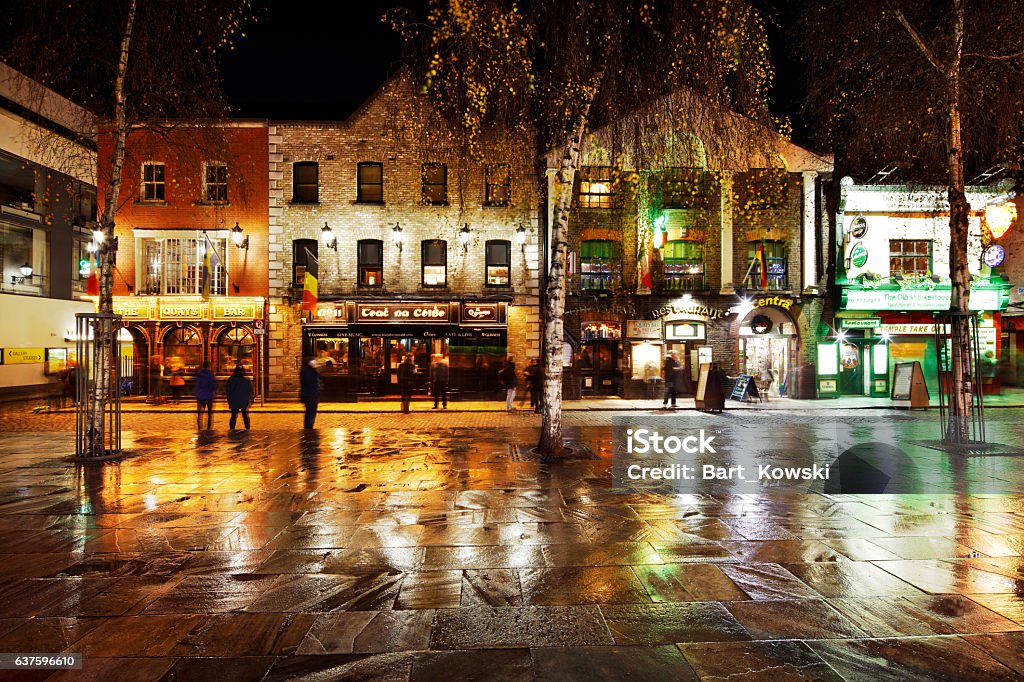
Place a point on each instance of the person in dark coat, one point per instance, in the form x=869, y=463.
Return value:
x=206, y=391
x=534, y=382
x=672, y=371
x=310, y=387
x=240, y=395
x=439, y=374
x=509, y=381
x=406, y=376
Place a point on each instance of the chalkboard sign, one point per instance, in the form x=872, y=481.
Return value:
x=742, y=387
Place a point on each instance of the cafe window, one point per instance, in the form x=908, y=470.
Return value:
x=153, y=182
x=305, y=182
x=595, y=187
x=498, y=184
x=174, y=265
x=435, y=183
x=235, y=347
x=303, y=251
x=434, y=257
x=370, y=253
x=183, y=350
x=370, y=189
x=681, y=188
x=215, y=183
x=498, y=259
x=775, y=260
x=17, y=183
x=684, y=265
x=596, y=264
x=910, y=257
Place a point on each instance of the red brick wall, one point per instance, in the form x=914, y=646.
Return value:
x=183, y=150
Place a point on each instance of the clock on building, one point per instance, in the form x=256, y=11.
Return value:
x=993, y=255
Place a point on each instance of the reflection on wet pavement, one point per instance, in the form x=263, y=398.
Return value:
x=405, y=553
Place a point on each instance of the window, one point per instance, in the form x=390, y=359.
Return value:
x=302, y=251
x=82, y=261
x=684, y=188
x=215, y=183
x=684, y=265
x=435, y=183
x=370, y=189
x=183, y=350
x=498, y=258
x=174, y=265
x=775, y=259
x=305, y=182
x=17, y=183
x=153, y=182
x=371, y=262
x=497, y=184
x=595, y=187
x=21, y=245
x=595, y=264
x=910, y=257
x=86, y=205
x=235, y=347
x=762, y=189
x=434, y=257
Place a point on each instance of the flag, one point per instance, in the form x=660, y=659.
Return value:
x=643, y=266
x=310, y=284
x=210, y=263
x=763, y=265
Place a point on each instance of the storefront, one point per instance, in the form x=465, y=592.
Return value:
x=600, y=357
x=167, y=336
x=361, y=344
x=769, y=343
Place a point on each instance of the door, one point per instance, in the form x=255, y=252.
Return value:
x=851, y=370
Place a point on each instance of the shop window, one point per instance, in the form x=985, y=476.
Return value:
x=303, y=251
x=17, y=183
x=910, y=257
x=435, y=183
x=370, y=189
x=775, y=262
x=596, y=264
x=595, y=187
x=762, y=189
x=681, y=188
x=215, y=183
x=371, y=262
x=82, y=261
x=498, y=261
x=235, y=347
x=175, y=265
x=153, y=185
x=498, y=184
x=183, y=350
x=20, y=246
x=305, y=182
x=333, y=355
x=434, y=258
x=684, y=265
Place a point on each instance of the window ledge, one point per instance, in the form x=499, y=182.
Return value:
x=148, y=202
x=506, y=204
x=304, y=203
x=357, y=202
x=498, y=286
x=213, y=203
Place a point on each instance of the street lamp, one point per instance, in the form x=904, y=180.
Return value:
x=26, y=273
x=397, y=236
x=328, y=237
x=521, y=237
x=464, y=235
x=241, y=240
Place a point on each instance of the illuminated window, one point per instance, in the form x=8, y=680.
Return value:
x=153, y=182
x=305, y=182
x=435, y=183
x=215, y=183
x=684, y=265
x=498, y=183
x=498, y=258
x=371, y=262
x=434, y=259
x=910, y=257
x=775, y=259
x=370, y=189
x=174, y=265
x=595, y=264
x=595, y=187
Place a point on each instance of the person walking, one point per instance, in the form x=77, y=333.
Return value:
x=240, y=395
x=406, y=375
x=671, y=379
x=310, y=387
x=439, y=380
x=206, y=391
x=508, y=379
x=534, y=382
x=177, y=382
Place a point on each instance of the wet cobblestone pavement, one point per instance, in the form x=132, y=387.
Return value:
x=430, y=546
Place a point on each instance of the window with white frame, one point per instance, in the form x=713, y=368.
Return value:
x=153, y=182
x=173, y=264
x=215, y=183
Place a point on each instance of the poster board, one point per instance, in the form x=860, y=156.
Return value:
x=908, y=384
x=744, y=385
x=702, y=384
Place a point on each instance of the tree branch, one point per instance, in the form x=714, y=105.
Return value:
x=919, y=41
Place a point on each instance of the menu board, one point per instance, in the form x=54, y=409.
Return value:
x=901, y=379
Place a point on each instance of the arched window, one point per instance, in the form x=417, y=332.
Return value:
x=235, y=346
x=183, y=349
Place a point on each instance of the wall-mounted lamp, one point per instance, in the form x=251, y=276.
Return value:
x=97, y=236
x=328, y=237
x=26, y=274
x=521, y=237
x=464, y=235
x=241, y=240
x=397, y=236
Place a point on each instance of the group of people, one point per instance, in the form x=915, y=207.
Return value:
x=238, y=390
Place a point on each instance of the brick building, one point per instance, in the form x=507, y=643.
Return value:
x=193, y=199
x=671, y=260
x=417, y=252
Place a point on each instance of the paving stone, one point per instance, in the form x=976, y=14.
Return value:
x=517, y=627
x=672, y=623
x=767, y=661
x=612, y=663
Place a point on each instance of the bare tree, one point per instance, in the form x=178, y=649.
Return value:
x=933, y=87
x=548, y=72
x=135, y=65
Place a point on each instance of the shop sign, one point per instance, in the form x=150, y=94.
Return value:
x=909, y=329
x=181, y=311
x=689, y=308
x=431, y=313
x=132, y=309
x=860, y=323
x=643, y=329
x=234, y=311
x=23, y=356
x=482, y=313
x=859, y=227
x=922, y=299
x=858, y=255
x=776, y=301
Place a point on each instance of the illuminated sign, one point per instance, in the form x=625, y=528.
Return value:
x=921, y=299
x=860, y=323
x=432, y=313
x=908, y=329
x=777, y=301
x=132, y=309
x=181, y=311
x=643, y=329
x=683, y=307
x=234, y=311
x=483, y=313
x=23, y=356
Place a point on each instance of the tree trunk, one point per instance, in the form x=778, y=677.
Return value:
x=551, y=443
x=104, y=335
